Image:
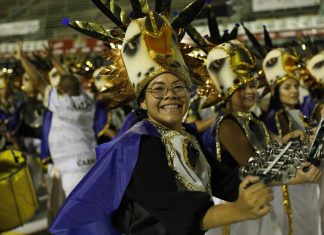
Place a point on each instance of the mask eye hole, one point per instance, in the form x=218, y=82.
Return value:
x=270, y=63
x=318, y=65
x=131, y=47
x=54, y=74
x=216, y=65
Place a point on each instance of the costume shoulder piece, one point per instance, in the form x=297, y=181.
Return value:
x=254, y=129
x=186, y=158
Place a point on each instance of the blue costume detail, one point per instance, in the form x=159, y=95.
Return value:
x=47, y=121
x=100, y=117
x=89, y=207
x=269, y=119
x=131, y=119
x=308, y=105
x=208, y=136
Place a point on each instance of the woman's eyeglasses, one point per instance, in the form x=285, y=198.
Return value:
x=158, y=91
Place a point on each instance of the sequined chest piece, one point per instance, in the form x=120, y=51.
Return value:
x=255, y=130
x=186, y=159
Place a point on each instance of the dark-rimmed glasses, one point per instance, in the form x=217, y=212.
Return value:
x=158, y=91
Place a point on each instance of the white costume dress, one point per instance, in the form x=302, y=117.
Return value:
x=71, y=137
x=262, y=226
x=258, y=139
x=304, y=206
x=321, y=199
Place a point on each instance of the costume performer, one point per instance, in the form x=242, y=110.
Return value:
x=299, y=214
x=156, y=178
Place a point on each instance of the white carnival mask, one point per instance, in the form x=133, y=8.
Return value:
x=150, y=48
x=279, y=65
x=315, y=66
x=54, y=77
x=230, y=66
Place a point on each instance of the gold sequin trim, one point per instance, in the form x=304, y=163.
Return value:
x=185, y=153
x=287, y=206
x=246, y=117
x=284, y=78
x=218, y=147
x=226, y=230
x=278, y=124
x=166, y=137
x=280, y=133
x=284, y=188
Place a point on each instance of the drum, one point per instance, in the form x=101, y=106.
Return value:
x=18, y=201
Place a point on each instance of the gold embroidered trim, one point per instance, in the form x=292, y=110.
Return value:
x=226, y=230
x=287, y=206
x=284, y=78
x=166, y=137
x=246, y=117
x=218, y=147
x=235, y=87
x=243, y=119
x=185, y=154
x=284, y=188
x=278, y=123
x=314, y=109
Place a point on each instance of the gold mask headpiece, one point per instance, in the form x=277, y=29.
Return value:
x=209, y=87
x=142, y=47
x=281, y=64
x=230, y=66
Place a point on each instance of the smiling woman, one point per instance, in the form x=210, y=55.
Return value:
x=157, y=178
x=289, y=93
x=237, y=134
x=164, y=105
x=300, y=208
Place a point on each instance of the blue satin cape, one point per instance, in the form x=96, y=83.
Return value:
x=100, y=117
x=308, y=106
x=88, y=209
x=131, y=119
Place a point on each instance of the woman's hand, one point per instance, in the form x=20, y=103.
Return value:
x=322, y=110
x=254, y=198
x=294, y=134
x=252, y=203
x=19, y=53
x=308, y=173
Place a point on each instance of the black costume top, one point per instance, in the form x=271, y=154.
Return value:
x=147, y=181
x=156, y=202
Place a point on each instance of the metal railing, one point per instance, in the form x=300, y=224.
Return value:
x=50, y=13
